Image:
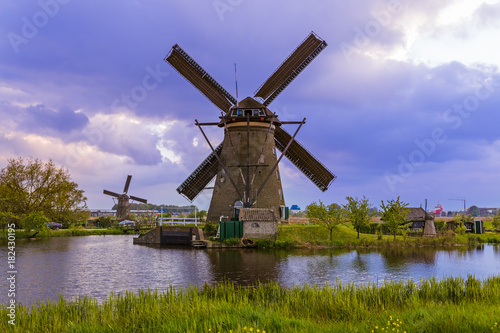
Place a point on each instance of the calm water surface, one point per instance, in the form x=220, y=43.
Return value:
x=98, y=265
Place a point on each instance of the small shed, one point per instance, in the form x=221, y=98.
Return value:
x=421, y=221
x=259, y=222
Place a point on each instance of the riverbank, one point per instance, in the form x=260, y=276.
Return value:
x=63, y=233
x=449, y=305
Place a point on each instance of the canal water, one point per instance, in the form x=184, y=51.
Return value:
x=99, y=265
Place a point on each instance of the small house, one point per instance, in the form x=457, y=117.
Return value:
x=421, y=221
x=259, y=222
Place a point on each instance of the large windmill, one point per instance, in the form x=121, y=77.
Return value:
x=123, y=210
x=245, y=164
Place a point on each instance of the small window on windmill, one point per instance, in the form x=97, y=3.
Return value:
x=248, y=113
x=274, y=150
x=261, y=159
x=261, y=112
x=222, y=175
x=277, y=174
x=237, y=206
x=256, y=112
x=281, y=194
x=234, y=113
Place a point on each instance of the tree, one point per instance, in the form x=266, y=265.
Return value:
x=394, y=214
x=104, y=221
x=36, y=221
x=358, y=212
x=474, y=211
x=30, y=186
x=6, y=218
x=327, y=216
x=496, y=221
x=202, y=214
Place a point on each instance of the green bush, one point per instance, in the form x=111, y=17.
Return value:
x=440, y=225
x=374, y=227
x=231, y=241
x=379, y=232
x=36, y=221
x=461, y=229
x=496, y=221
x=210, y=229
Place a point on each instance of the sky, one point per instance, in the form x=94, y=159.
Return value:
x=403, y=102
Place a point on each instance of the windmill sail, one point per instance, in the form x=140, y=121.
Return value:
x=290, y=68
x=304, y=160
x=199, y=78
x=127, y=183
x=138, y=199
x=203, y=174
x=113, y=194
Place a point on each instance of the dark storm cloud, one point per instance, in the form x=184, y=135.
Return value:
x=39, y=119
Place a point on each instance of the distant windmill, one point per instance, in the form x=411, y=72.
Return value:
x=245, y=164
x=124, y=200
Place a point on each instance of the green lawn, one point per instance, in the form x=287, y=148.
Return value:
x=344, y=235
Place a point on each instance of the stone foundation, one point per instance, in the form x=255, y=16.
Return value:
x=260, y=229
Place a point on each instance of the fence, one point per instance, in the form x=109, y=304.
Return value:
x=178, y=220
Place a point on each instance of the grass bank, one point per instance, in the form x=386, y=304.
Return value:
x=344, y=236
x=449, y=305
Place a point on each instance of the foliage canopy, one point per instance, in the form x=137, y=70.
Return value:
x=30, y=186
x=327, y=216
x=394, y=214
x=358, y=212
x=496, y=221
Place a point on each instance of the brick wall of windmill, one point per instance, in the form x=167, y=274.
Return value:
x=224, y=195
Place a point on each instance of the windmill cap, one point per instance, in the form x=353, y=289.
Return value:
x=249, y=104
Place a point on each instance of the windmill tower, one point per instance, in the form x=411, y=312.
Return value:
x=245, y=164
x=123, y=210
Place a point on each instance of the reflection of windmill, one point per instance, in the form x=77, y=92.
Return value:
x=123, y=209
x=245, y=163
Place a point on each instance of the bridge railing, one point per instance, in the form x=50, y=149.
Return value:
x=178, y=220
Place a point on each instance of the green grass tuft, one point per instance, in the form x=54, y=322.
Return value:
x=449, y=305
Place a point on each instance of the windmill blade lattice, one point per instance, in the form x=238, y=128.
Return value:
x=200, y=177
x=199, y=78
x=290, y=68
x=304, y=160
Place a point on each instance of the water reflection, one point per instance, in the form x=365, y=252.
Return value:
x=98, y=265
x=244, y=266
